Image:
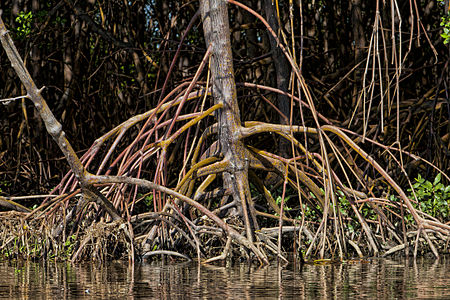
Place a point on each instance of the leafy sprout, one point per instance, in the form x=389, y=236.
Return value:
x=445, y=23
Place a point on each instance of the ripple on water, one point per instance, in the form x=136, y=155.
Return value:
x=373, y=279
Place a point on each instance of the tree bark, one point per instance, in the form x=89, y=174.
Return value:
x=359, y=40
x=282, y=70
x=217, y=34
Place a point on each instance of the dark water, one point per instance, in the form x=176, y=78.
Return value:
x=373, y=279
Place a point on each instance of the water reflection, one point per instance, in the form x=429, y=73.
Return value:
x=382, y=279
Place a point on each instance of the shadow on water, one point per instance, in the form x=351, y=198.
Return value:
x=378, y=278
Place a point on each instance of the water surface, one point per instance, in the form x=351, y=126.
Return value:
x=371, y=279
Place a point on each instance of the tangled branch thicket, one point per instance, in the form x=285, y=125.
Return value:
x=267, y=156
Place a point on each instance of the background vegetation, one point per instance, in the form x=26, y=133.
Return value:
x=378, y=70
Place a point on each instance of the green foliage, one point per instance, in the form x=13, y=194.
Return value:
x=445, y=23
x=69, y=246
x=311, y=214
x=41, y=15
x=24, y=20
x=148, y=200
x=285, y=207
x=433, y=197
x=28, y=249
x=345, y=208
x=59, y=21
x=35, y=247
x=4, y=184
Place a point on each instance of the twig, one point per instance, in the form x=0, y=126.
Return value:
x=8, y=100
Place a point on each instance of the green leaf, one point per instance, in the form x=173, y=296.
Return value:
x=350, y=228
x=278, y=200
x=437, y=179
x=419, y=179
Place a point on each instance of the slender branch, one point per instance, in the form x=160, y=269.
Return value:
x=6, y=101
x=54, y=128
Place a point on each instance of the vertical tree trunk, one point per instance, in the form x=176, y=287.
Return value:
x=282, y=70
x=217, y=34
x=35, y=67
x=359, y=40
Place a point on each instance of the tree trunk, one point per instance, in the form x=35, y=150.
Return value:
x=360, y=42
x=283, y=72
x=217, y=34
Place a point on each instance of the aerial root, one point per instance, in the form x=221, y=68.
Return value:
x=224, y=253
x=165, y=252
